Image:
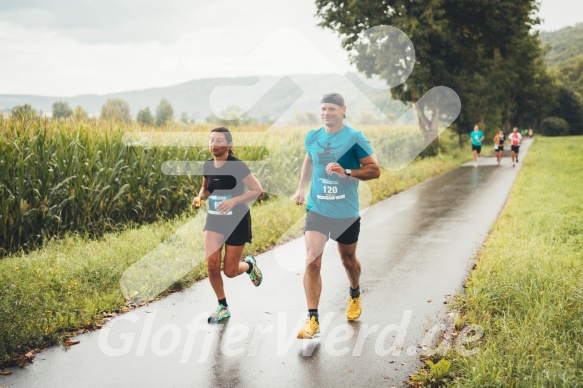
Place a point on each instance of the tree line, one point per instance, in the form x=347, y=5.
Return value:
x=117, y=109
x=114, y=109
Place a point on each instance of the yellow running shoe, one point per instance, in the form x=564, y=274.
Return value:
x=353, y=311
x=310, y=329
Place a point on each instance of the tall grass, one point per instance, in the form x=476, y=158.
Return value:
x=526, y=291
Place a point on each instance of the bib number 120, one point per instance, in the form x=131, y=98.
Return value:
x=330, y=190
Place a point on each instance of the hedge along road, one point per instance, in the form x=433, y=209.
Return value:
x=416, y=248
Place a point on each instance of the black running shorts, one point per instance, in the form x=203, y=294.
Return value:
x=476, y=148
x=222, y=224
x=342, y=230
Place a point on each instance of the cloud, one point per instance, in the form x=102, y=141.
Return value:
x=66, y=48
x=134, y=21
x=556, y=14
x=107, y=21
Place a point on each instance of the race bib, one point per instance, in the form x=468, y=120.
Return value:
x=329, y=191
x=214, y=201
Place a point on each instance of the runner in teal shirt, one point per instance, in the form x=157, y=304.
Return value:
x=477, y=138
x=337, y=158
x=330, y=195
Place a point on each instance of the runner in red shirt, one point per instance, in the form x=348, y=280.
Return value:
x=515, y=140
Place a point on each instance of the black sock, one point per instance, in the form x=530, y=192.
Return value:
x=355, y=293
x=313, y=313
x=250, y=267
x=223, y=302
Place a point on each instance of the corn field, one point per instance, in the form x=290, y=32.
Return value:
x=69, y=176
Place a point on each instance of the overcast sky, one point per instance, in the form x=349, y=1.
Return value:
x=72, y=47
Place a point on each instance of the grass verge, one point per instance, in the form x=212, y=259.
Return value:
x=527, y=289
x=74, y=283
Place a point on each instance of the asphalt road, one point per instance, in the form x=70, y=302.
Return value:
x=416, y=249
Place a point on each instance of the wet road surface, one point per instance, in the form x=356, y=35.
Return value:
x=416, y=248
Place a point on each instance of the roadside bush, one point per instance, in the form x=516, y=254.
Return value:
x=554, y=126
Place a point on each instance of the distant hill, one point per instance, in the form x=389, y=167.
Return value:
x=565, y=58
x=565, y=44
x=265, y=98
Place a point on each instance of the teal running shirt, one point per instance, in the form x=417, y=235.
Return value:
x=331, y=195
x=475, y=137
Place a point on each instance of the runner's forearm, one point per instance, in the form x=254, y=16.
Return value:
x=306, y=176
x=203, y=194
x=366, y=172
x=249, y=196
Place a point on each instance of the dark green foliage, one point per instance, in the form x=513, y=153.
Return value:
x=568, y=107
x=554, y=126
x=116, y=109
x=79, y=113
x=484, y=50
x=24, y=112
x=61, y=109
x=145, y=117
x=565, y=56
x=569, y=74
x=164, y=112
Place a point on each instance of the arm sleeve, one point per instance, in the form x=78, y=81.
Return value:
x=308, y=139
x=242, y=170
x=362, y=147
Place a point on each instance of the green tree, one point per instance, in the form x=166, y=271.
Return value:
x=61, y=109
x=569, y=74
x=164, y=112
x=145, y=117
x=23, y=112
x=569, y=108
x=232, y=115
x=79, y=113
x=554, y=126
x=535, y=89
x=184, y=117
x=457, y=43
x=116, y=109
x=524, y=87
